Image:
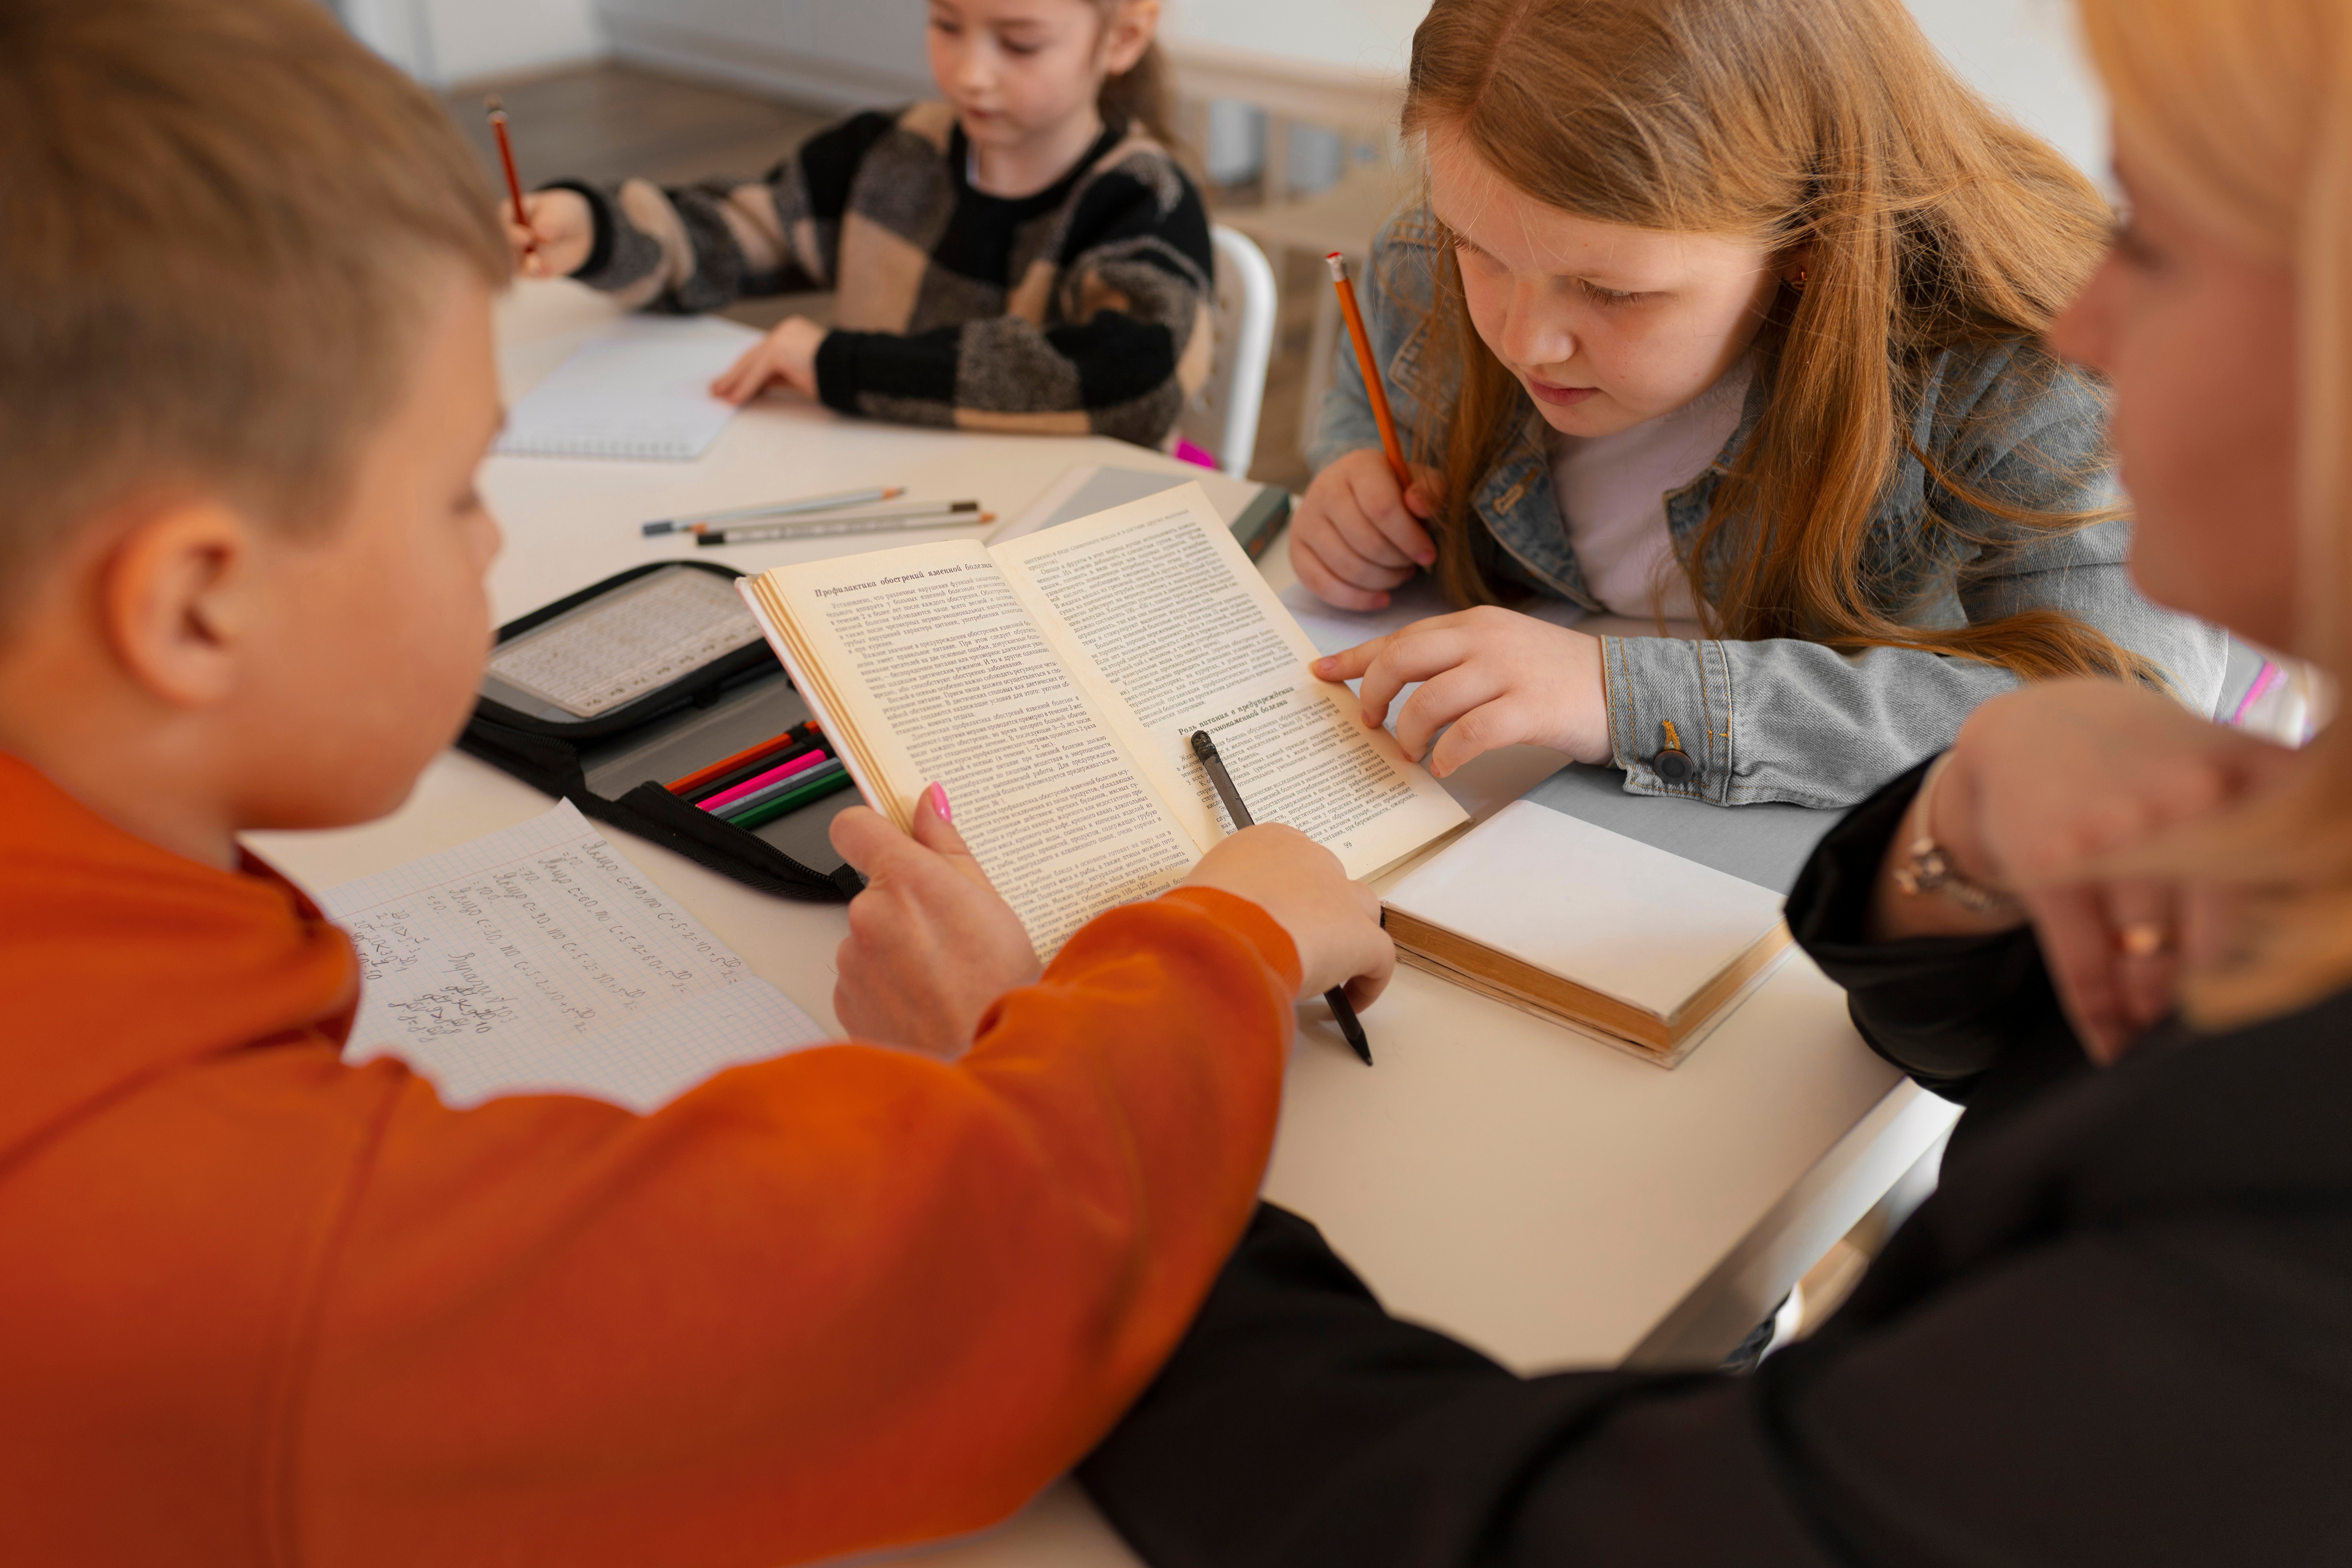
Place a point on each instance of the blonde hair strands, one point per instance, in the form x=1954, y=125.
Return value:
x=1932, y=221
x=2242, y=110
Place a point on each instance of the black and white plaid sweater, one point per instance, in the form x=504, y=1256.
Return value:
x=1082, y=309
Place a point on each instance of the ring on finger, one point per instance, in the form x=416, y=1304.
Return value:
x=2142, y=939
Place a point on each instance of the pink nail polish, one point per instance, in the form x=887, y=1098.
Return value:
x=939, y=803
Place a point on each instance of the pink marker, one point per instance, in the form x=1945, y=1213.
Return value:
x=806, y=760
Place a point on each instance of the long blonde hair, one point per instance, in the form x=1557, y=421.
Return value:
x=2242, y=110
x=1932, y=221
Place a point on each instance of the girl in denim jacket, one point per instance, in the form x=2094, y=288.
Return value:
x=1728, y=310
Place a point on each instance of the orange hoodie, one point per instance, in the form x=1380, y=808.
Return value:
x=261, y=1307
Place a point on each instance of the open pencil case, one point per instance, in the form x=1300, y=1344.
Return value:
x=608, y=696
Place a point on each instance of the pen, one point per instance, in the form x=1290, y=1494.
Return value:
x=514, y=181
x=862, y=522
x=1214, y=765
x=1381, y=414
x=696, y=521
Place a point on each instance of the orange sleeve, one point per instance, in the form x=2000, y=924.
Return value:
x=843, y=1300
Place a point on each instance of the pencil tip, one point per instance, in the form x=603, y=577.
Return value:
x=492, y=104
x=1339, y=265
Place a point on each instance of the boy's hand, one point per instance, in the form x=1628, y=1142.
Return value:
x=1356, y=535
x=2044, y=784
x=1498, y=678
x=787, y=354
x=1334, y=922
x=560, y=232
x=931, y=944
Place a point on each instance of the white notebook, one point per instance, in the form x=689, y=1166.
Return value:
x=642, y=392
x=1544, y=911
x=537, y=960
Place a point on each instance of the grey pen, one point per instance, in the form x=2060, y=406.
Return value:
x=1214, y=765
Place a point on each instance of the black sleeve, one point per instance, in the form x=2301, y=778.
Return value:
x=2064, y=1407
x=1946, y=1010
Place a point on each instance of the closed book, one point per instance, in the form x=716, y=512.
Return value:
x=1552, y=914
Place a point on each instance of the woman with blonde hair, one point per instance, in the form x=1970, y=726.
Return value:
x=1725, y=311
x=2121, y=1331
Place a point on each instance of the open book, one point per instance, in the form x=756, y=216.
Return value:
x=1051, y=683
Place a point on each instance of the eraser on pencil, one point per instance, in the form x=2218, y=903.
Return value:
x=664, y=526
x=1339, y=265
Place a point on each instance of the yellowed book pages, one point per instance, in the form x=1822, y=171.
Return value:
x=1050, y=684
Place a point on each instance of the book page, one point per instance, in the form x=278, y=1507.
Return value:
x=926, y=656
x=1157, y=607
x=537, y=960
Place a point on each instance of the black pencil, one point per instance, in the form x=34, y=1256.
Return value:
x=1214, y=765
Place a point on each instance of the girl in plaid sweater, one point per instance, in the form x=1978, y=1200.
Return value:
x=1025, y=256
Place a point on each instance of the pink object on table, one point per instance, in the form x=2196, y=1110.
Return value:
x=1189, y=453
x=806, y=760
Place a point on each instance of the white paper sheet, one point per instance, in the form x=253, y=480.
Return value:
x=636, y=639
x=1595, y=906
x=537, y=960
x=642, y=390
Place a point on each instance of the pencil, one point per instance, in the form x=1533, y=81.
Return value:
x=696, y=522
x=1387, y=421
x=514, y=181
x=869, y=522
x=1336, y=998
x=792, y=737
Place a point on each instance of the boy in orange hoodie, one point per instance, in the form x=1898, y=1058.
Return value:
x=262, y=1306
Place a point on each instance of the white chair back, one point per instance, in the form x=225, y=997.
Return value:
x=1222, y=417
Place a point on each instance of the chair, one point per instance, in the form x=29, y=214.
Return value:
x=1222, y=417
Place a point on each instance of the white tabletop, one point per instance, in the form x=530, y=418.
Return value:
x=1551, y=1201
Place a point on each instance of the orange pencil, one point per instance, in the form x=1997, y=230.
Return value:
x=1388, y=442
x=514, y=181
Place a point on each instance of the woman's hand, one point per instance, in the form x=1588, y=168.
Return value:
x=787, y=354
x=1498, y=678
x=931, y=944
x=2043, y=785
x=555, y=236
x=1357, y=535
x=1335, y=923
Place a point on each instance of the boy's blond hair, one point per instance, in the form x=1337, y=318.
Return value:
x=218, y=223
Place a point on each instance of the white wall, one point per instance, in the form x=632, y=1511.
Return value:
x=849, y=53
x=447, y=41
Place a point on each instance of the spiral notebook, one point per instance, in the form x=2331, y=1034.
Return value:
x=641, y=392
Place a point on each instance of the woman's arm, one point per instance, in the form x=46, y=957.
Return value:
x=1133, y=339
x=1981, y=1412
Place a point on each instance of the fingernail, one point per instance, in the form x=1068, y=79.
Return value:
x=939, y=803
x=1322, y=666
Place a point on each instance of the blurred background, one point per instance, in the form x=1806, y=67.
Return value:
x=1288, y=108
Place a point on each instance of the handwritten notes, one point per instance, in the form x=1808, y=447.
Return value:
x=635, y=639
x=536, y=960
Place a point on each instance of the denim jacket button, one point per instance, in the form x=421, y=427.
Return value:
x=1674, y=766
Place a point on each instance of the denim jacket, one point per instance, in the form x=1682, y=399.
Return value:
x=1782, y=719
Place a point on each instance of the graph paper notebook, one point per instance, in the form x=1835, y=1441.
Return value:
x=537, y=960
x=641, y=392
x=1553, y=915
x=1052, y=684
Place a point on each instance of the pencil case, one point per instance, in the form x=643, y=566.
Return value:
x=609, y=695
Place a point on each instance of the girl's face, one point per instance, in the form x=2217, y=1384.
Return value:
x=1605, y=326
x=1017, y=69
x=2198, y=339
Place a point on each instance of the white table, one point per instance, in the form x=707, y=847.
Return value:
x=1551, y=1201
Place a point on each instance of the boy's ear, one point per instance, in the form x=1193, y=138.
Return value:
x=1128, y=35
x=174, y=600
